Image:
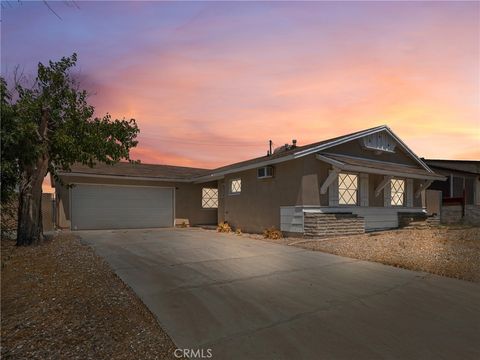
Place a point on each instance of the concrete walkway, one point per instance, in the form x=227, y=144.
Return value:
x=249, y=299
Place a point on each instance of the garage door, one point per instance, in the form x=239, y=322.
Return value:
x=120, y=207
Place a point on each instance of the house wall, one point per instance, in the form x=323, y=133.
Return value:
x=257, y=207
x=188, y=198
x=373, y=181
x=314, y=174
x=296, y=183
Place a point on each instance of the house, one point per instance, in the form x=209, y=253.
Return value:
x=459, y=194
x=462, y=179
x=362, y=181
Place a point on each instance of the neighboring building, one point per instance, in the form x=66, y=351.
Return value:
x=460, y=193
x=362, y=181
x=462, y=179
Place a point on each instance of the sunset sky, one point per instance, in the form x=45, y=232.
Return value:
x=211, y=83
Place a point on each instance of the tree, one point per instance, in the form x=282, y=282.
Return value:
x=48, y=128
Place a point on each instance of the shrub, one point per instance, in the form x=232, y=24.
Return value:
x=224, y=227
x=272, y=233
x=238, y=231
x=183, y=224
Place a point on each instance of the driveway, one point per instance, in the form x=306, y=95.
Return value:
x=249, y=299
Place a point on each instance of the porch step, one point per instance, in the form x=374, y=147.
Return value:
x=430, y=222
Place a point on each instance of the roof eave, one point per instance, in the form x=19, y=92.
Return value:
x=364, y=169
x=125, y=177
x=221, y=174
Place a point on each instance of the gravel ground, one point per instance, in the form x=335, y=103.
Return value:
x=61, y=301
x=452, y=252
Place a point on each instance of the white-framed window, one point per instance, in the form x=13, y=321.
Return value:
x=397, y=192
x=347, y=189
x=235, y=186
x=265, y=172
x=209, y=198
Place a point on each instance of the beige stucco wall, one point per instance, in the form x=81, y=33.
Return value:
x=314, y=174
x=373, y=181
x=188, y=198
x=258, y=205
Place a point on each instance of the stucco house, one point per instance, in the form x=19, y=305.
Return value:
x=366, y=180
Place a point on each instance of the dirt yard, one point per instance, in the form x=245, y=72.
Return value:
x=60, y=301
x=452, y=252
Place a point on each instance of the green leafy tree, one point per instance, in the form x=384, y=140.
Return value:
x=48, y=127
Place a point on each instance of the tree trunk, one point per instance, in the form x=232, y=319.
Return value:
x=30, y=228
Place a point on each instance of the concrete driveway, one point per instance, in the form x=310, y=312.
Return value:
x=249, y=299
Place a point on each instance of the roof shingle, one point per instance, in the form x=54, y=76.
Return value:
x=141, y=170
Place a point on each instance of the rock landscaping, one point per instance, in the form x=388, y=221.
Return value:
x=452, y=252
x=61, y=301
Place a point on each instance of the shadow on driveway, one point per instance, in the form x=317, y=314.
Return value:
x=249, y=299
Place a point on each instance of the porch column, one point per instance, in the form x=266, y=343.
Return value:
x=409, y=186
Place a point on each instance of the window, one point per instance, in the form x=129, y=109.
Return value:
x=397, y=189
x=347, y=189
x=209, y=198
x=265, y=172
x=236, y=186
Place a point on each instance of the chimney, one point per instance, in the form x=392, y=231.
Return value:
x=294, y=143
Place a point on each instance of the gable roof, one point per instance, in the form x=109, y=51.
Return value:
x=282, y=154
x=305, y=150
x=180, y=173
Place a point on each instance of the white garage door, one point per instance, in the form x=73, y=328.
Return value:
x=120, y=207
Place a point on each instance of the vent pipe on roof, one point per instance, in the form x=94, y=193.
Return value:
x=270, y=143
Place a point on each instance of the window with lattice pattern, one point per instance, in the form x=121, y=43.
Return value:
x=347, y=189
x=397, y=191
x=209, y=198
x=236, y=186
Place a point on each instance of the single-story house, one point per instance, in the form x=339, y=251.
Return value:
x=366, y=180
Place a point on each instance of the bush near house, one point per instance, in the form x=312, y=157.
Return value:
x=224, y=227
x=272, y=233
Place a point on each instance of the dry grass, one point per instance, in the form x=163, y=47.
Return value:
x=452, y=252
x=61, y=301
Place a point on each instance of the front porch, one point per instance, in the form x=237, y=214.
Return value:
x=298, y=219
x=361, y=195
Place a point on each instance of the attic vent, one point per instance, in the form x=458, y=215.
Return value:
x=380, y=142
